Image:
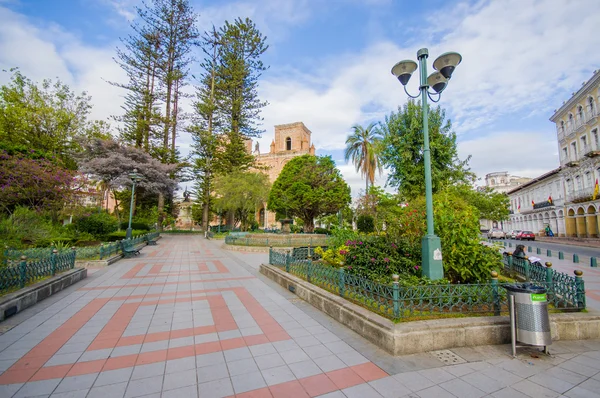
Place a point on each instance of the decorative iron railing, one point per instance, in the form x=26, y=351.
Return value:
x=15, y=277
x=563, y=291
x=277, y=241
x=102, y=251
x=400, y=302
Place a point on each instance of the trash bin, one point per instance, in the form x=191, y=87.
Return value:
x=531, y=319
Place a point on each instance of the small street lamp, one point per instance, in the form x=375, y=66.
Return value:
x=134, y=177
x=431, y=249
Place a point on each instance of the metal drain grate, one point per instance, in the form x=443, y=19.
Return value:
x=448, y=357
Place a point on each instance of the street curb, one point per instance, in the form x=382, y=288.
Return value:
x=29, y=295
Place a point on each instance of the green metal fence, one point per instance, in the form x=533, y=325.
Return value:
x=563, y=291
x=277, y=241
x=399, y=302
x=102, y=251
x=392, y=300
x=15, y=277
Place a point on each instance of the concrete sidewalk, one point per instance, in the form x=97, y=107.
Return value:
x=188, y=319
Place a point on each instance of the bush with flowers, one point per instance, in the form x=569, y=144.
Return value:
x=333, y=256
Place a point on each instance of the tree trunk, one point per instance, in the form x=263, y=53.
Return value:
x=174, y=123
x=160, y=209
x=309, y=225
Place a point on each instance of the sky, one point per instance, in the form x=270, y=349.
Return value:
x=330, y=61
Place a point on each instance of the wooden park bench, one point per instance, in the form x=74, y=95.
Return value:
x=132, y=247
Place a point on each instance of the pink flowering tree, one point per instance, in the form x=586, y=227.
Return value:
x=34, y=183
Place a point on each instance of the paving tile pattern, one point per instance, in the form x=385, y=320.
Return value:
x=187, y=319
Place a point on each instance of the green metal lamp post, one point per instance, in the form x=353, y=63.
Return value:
x=134, y=177
x=431, y=248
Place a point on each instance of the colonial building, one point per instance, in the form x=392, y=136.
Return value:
x=290, y=140
x=502, y=182
x=577, y=129
x=538, y=203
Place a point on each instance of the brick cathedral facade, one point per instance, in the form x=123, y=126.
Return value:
x=291, y=140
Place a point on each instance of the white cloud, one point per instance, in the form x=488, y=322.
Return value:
x=527, y=154
x=273, y=17
x=520, y=58
x=356, y=182
x=43, y=52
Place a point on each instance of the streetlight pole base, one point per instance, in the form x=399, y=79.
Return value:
x=128, y=233
x=431, y=257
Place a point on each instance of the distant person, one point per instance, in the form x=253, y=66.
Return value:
x=519, y=252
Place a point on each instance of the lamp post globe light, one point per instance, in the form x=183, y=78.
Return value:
x=134, y=177
x=431, y=248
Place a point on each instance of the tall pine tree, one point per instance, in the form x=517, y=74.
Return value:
x=227, y=110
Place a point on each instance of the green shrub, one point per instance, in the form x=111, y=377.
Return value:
x=319, y=230
x=25, y=228
x=97, y=224
x=136, y=225
x=377, y=258
x=466, y=260
x=365, y=223
x=120, y=235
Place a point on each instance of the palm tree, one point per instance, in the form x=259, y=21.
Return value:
x=362, y=147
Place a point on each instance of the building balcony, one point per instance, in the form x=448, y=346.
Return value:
x=570, y=160
x=580, y=195
x=579, y=125
x=590, y=150
x=591, y=116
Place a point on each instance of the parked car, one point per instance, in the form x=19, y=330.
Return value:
x=513, y=234
x=496, y=234
x=525, y=235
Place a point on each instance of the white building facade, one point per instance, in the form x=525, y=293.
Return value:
x=537, y=204
x=501, y=182
x=578, y=132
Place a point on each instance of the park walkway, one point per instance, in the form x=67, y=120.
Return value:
x=188, y=319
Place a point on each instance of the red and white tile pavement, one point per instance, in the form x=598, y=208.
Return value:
x=184, y=320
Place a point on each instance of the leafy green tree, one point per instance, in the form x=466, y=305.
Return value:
x=48, y=117
x=241, y=193
x=309, y=187
x=383, y=207
x=365, y=223
x=402, y=151
x=491, y=205
x=363, y=148
x=466, y=260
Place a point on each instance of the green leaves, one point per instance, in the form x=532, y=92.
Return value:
x=242, y=192
x=46, y=117
x=309, y=187
x=402, y=151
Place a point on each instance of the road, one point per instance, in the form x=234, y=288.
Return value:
x=556, y=247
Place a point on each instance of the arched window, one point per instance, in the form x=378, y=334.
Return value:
x=588, y=180
x=502, y=181
x=493, y=182
x=591, y=107
x=288, y=144
x=570, y=124
x=578, y=182
x=579, y=114
x=562, y=126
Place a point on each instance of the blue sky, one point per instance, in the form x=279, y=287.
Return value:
x=330, y=64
